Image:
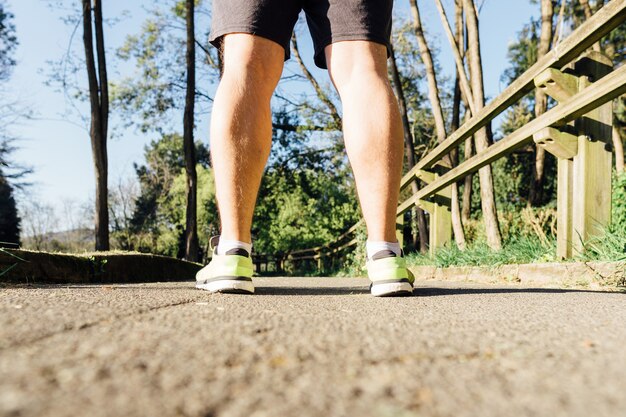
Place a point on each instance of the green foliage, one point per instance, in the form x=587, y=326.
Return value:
x=8, y=42
x=618, y=215
x=172, y=210
x=157, y=227
x=356, y=257
x=159, y=87
x=307, y=195
x=522, y=53
x=611, y=246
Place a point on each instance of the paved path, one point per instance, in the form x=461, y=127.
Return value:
x=311, y=347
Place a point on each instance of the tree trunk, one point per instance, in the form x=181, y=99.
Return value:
x=440, y=126
x=466, y=209
x=618, y=145
x=99, y=104
x=458, y=58
x=192, y=247
x=490, y=215
x=588, y=13
x=423, y=237
x=536, y=196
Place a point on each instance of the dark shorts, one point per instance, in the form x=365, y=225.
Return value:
x=328, y=20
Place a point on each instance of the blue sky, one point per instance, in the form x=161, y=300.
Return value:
x=59, y=150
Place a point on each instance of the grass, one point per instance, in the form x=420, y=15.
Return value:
x=610, y=247
x=520, y=250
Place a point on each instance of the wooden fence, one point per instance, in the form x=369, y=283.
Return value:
x=577, y=131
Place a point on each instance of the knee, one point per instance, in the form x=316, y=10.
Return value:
x=357, y=65
x=252, y=62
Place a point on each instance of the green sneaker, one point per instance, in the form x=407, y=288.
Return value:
x=389, y=275
x=228, y=273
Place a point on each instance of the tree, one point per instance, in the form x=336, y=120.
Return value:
x=9, y=218
x=163, y=87
x=307, y=197
x=468, y=149
x=437, y=110
x=152, y=98
x=8, y=42
x=409, y=151
x=164, y=163
x=99, y=104
x=489, y=212
x=541, y=103
x=40, y=222
x=192, y=250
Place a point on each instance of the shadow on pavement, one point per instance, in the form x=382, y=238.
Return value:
x=306, y=290
x=433, y=292
x=311, y=290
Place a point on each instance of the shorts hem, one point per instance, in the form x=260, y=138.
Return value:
x=215, y=37
x=320, y=59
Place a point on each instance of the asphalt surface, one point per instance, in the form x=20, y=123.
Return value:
x=311, y=347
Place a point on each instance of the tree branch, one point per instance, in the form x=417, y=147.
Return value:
x=334, y=113
x=464, y=82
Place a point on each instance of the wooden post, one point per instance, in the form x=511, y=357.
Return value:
x=400, y=229
x=584, y=166
x=441, y=222
x=564, y=208
x=565, y=147
x=593, y=163
x=319, y=261
x=440, y=215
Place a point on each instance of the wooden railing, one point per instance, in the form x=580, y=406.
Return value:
x=577, y=131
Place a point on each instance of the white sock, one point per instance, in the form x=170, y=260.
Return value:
x=374, y=247
x=225, y=245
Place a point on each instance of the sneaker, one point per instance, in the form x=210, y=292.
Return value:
x=228, y=273
x=389, y=275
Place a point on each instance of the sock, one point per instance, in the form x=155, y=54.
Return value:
x=225, y=245
x=375, y=247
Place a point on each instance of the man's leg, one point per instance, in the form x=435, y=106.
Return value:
x=373, y=136
x=241, y=137
x=372, y=130
x=241, y=127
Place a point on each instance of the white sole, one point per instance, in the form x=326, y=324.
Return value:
x=228, y=286
x=392, y=288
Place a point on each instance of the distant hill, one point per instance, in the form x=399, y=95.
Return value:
x=76, y=240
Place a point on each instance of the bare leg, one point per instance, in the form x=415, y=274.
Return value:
x=372, y=130
x=241, y=128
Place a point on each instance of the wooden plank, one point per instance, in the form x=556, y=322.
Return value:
x=606, y=19
x=564, y=196
x=440, y=223
x=426, y=205
x=599, y=93
x=560, y=144
x=592, y=165
x=557, y=84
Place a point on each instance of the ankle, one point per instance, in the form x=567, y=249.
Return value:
x=226, y=245
x=373, y=247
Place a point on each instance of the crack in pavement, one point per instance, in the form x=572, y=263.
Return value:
x=83, y=326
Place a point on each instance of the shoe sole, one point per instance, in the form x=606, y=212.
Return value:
x=392, y=289
x=228, y=286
